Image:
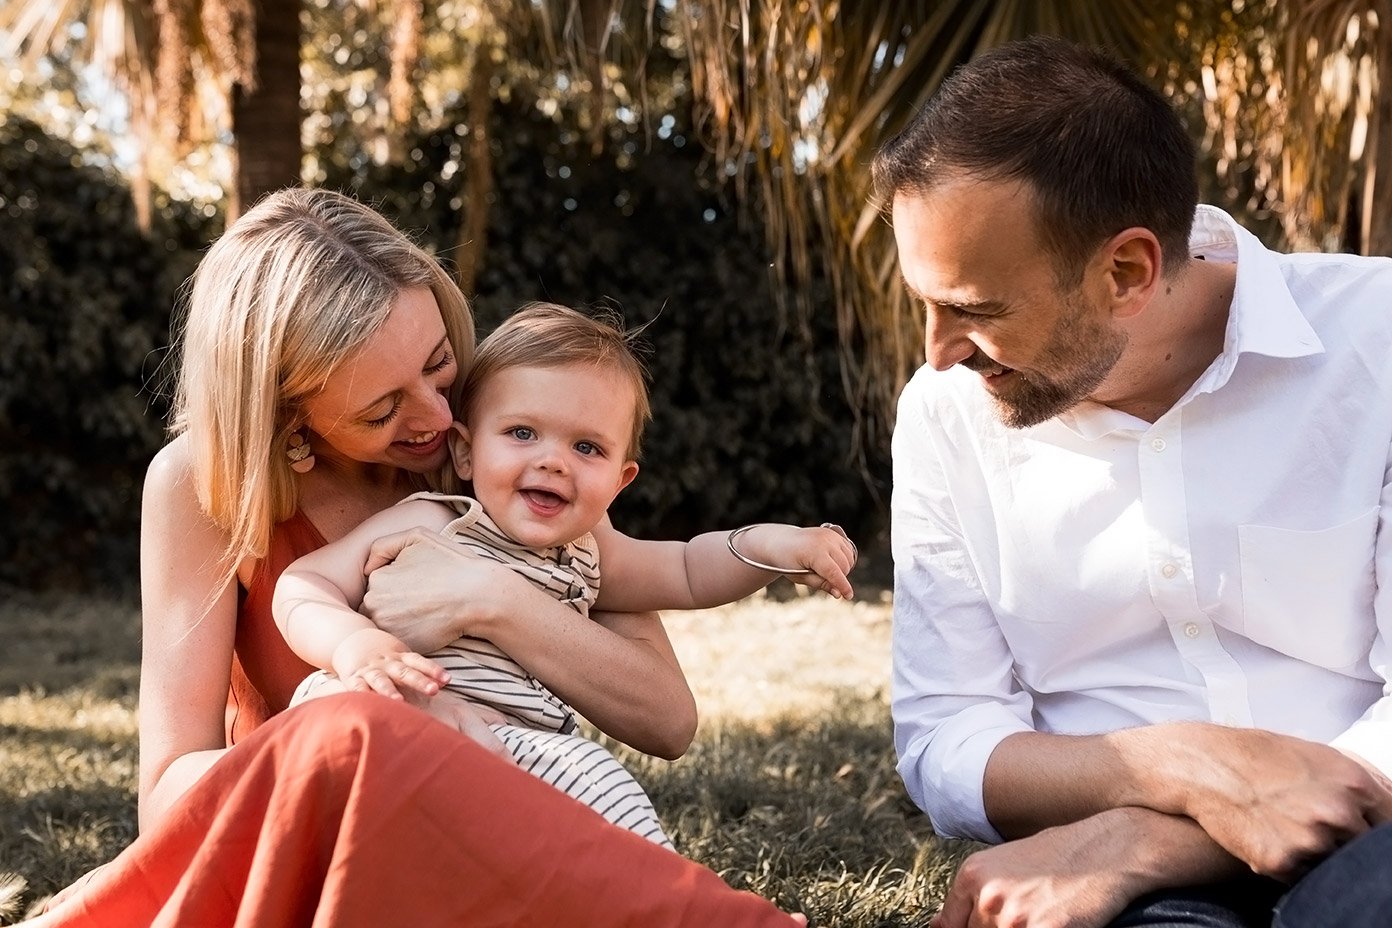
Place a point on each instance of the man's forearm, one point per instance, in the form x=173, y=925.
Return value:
x=1035, y=781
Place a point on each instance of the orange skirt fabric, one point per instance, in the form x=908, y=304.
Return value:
x=356, y=810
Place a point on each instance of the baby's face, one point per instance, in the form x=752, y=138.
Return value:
x=548, y=449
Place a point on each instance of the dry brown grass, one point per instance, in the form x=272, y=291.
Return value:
x=789, y=791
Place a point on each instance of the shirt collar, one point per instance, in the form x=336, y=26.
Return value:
x=1263, y=319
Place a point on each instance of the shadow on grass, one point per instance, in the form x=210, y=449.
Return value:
x=809, y=811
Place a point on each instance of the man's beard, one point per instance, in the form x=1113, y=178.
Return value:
x=1080, y=352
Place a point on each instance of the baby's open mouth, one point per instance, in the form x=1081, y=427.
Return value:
x=543, y=500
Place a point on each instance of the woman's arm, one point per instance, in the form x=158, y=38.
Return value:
x=618, y=671
x=189, y=620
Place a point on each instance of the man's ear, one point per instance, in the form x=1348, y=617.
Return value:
x=460, y=451
x=1134, y=266
x=630, y=470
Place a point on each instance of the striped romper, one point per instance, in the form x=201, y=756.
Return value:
x=542, y=735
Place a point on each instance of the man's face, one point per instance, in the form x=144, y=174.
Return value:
x=970, y=251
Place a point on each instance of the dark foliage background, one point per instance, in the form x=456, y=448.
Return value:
x=750, y=421
x=84, y=309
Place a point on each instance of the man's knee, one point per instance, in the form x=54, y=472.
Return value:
x=1351, y=889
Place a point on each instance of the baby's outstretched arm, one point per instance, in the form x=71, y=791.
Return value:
x=642, y=576
x=315, y=608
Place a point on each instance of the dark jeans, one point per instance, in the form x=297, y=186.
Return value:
x=1351, y=889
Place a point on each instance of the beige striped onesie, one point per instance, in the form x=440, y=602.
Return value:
x=542, y=737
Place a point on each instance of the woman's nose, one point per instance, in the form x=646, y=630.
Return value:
x=430, y=411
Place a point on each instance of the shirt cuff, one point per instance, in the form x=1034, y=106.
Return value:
x=944, y=771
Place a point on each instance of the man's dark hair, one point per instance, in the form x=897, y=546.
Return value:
x=1102, y=150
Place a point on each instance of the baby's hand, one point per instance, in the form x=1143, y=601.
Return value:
x=824, y=550
x=371, y=660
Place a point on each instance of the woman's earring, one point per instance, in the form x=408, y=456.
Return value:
x=300, y=454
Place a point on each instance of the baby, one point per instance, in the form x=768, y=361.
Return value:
x=554, y=413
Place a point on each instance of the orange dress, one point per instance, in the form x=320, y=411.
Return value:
x=354, y=810
x=265, y=671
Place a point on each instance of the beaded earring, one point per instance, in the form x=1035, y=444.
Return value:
x=300, y=454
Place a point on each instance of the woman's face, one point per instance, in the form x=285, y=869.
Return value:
x=386, y=404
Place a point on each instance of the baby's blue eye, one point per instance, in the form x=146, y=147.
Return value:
x=587, y=447
x=522, y=433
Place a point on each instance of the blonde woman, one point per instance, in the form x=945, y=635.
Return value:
x=318, y=354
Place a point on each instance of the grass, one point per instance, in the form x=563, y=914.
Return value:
x=789, y=790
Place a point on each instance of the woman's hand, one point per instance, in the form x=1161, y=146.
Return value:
x=428, y=592
x=467, y=718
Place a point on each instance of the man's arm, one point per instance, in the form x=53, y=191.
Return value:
x=1083, y=874
x=1275, y=802
x=954, y=693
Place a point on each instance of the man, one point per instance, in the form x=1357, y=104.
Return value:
x=1143, y=604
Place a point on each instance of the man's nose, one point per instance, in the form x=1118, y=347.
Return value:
x=945, y=341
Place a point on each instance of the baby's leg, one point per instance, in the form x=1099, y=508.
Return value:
x=585, y=771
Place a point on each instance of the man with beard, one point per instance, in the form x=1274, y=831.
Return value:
x=1143, y=603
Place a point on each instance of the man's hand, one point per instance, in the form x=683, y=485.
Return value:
x=1082, y=874
x=1072, y=876
x=1278, y=803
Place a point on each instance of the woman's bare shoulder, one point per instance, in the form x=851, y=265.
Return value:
x=171, y=494
x=172, y=465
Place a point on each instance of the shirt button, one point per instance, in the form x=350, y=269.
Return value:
x=1191, y=630
x=1157, y=444
x=1168, y=571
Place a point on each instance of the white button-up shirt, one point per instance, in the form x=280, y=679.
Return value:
x=1230, y=562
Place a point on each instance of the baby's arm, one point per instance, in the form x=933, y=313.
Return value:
x=643, y=576
x=315, y=606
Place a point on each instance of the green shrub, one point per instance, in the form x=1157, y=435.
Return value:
x=750, y=421
x=84, y=311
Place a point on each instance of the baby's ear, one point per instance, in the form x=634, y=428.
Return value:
x=460, y=449
x=630, y=470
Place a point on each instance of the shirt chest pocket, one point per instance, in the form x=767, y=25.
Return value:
x=1309, y=594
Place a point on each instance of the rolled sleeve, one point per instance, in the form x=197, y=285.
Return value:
x=954, y=696
x=1370, y=737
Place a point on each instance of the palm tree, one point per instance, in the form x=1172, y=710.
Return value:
x=183, y=64
x=793, y=98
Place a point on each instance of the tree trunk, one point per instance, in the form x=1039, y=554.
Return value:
x=478, y=172
x=266, y=148
x=1377, y=203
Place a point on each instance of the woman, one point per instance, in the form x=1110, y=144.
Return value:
x=318, y=352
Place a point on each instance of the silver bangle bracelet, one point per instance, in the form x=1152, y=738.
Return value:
x=730, y=543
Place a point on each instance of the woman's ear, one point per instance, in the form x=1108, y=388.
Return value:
x=460, y=451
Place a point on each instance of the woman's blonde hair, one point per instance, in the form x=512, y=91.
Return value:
x=289, y=292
